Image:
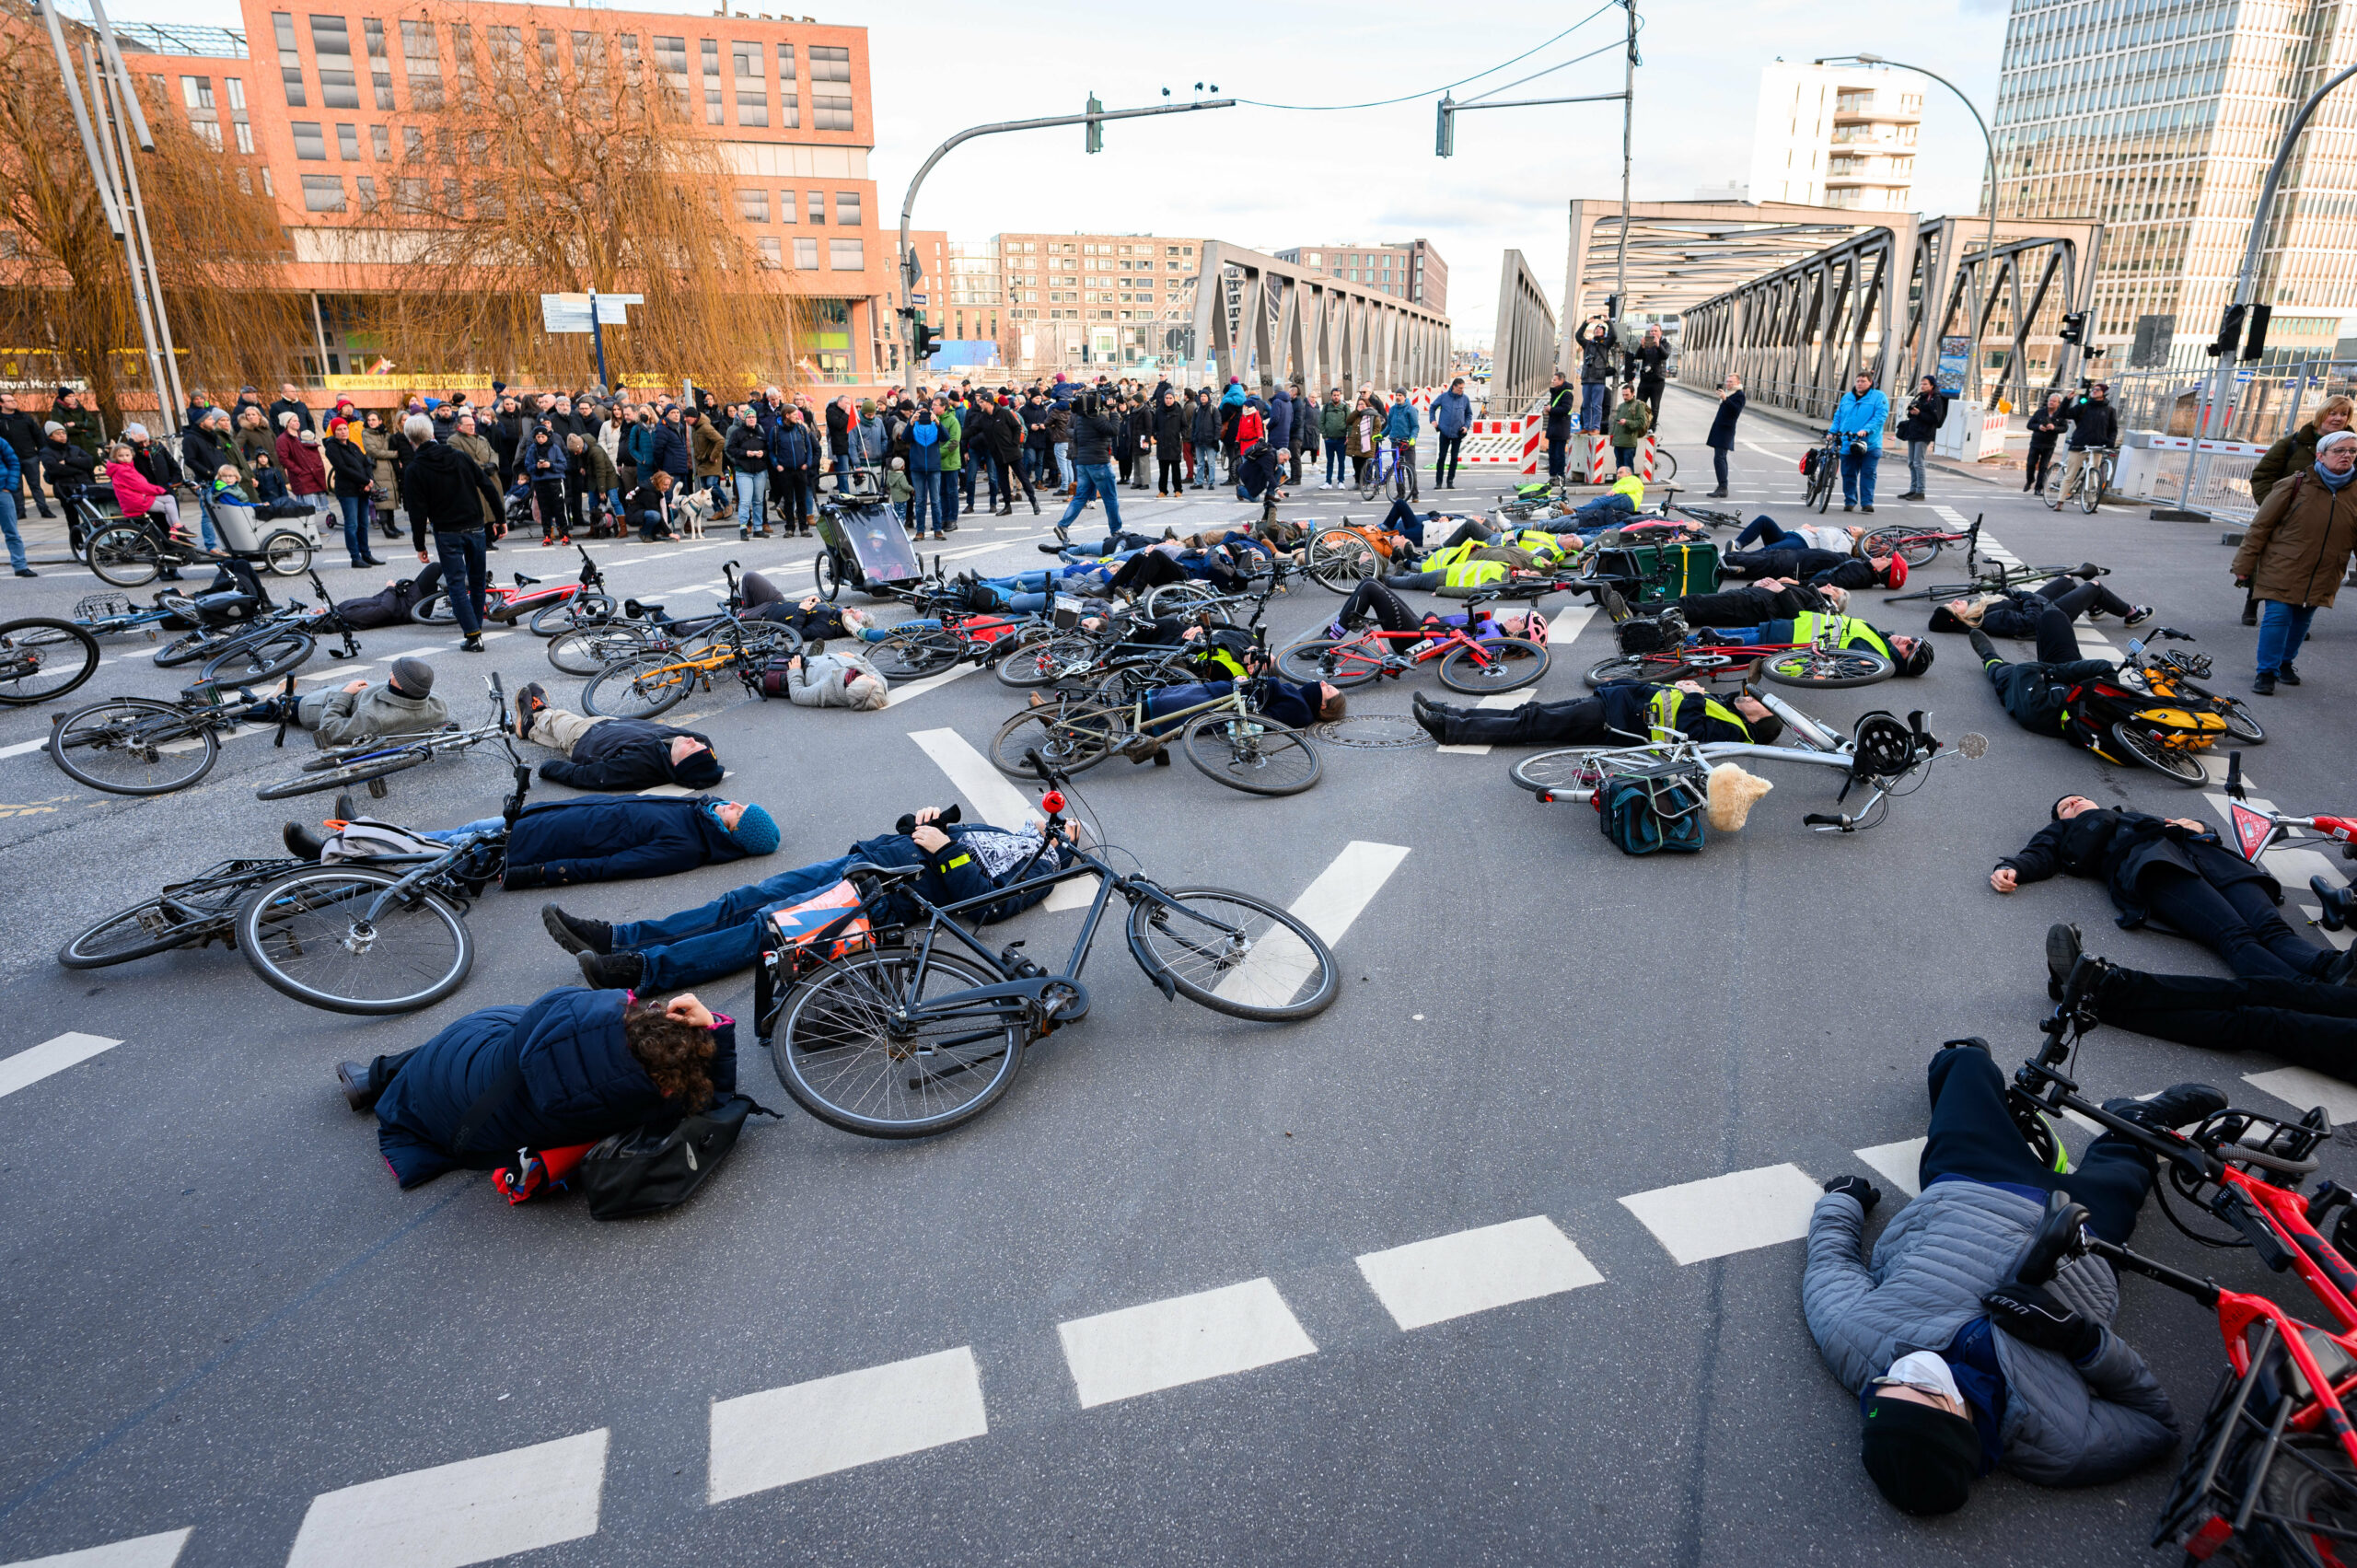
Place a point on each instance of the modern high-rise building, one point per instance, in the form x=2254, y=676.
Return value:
x=2159, y=117
x=1405, y=269
x=1095, y=299
x=1837, y=136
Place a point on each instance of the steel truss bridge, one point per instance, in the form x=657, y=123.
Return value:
x=1268, y=322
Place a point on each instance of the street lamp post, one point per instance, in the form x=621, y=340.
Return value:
x=911, y=274
x=2230, y=326
x=1988, y=143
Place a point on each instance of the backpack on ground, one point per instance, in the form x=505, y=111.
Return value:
x=365, y=838
x=662, y=1165
x=1652, y=634
x=1658, y=808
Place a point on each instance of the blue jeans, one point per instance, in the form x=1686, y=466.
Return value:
x=203, y=517
x=1858, y=476
x=1064, y=464
x=1602, y=511
x=951, y=482
x=723, y=937
x=356, y=526
x=1338, y=467
x=752, y=500
x=1206, y=465
x=1767, y=528
x=1592, y=407
x=1096, y=480
x=464, y=574
x=8, y=526
x=2281, y=629
x=452, y=835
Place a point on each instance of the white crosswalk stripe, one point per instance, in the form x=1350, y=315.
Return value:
x=453, y=1514
x=1724, y=1215
x=1475, y=1270
x=30, y=1067
x=146, y=1552
x=2301, y=1087
x=782, y=1435
x=1901, y=1164
x=1272, y=972
x=1562, y=632
x=1185, y=1339
x=994, y=800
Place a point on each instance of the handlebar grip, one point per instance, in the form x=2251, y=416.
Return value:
x=1819, y=820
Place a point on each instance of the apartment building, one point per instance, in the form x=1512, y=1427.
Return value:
x=1095, y=299
x=2159, y=117
x=1837, y=136
x=321, y=103
x=1409, y=270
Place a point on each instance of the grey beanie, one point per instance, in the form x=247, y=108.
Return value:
x=53, y=428
x=414, y=676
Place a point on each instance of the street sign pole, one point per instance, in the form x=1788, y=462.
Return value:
x=597, y=338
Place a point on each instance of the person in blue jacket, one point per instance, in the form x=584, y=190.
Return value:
x=1861, y=415
x=11, y=475
x=571, y=1068
x=925, y=471
x=559, y=843
x=1400, y=428
x=959, y=861
x=1452, y=416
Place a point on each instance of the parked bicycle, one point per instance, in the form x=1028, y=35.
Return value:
x=874, y=1029
x=2087, y=486
x=1387, y=469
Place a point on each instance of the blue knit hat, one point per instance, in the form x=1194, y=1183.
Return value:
x=757, y=831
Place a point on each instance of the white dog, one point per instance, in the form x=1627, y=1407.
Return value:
x=691, y=510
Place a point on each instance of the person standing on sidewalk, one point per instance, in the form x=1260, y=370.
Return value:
x=2295, y=551
x=2044, y=428
x=1560, y=401
x=1860, y=418
x=440, y=487
x=1452, y=413
x=2293, y=453
x=1721, y=441
x=1926, y=411
x=1203, y=435
x=17, y=428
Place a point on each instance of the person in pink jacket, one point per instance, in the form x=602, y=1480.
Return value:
x=136, y=497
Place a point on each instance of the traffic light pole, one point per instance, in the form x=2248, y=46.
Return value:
x=911, y=274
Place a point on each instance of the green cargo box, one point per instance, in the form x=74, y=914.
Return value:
x=1660, y=570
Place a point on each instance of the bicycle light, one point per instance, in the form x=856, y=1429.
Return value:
x=1052, y=801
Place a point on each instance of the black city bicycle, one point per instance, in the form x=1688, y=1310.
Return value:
x=40, y=658
x=372, y=761
x=142, y=746
x=892, y=1037
x=196, y=912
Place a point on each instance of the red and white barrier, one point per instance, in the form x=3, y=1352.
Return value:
x=1514, y=443
x=1603, y=466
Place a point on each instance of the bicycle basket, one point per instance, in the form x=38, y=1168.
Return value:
x=1649, y=809
x=99, y=607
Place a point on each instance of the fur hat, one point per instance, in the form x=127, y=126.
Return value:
x=1733, y=793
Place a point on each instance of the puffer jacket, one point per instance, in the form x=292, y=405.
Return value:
x=351, y=717
x=824, y=681
x=617, y=754
x=561, y=842
x=579, y=1083
x=2064, y=1425
x=2298, y=547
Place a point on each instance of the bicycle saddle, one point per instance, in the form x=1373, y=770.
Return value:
x=2054, y=1241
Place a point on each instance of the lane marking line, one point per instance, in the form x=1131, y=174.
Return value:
x=1724, y=1214
x=2303, y=1088
x=30, y=1067
x=1901, y=1164
x=453, y=1514
x=784, y=1435
x=147, y=1551
x=1185, y=1339
x=995, y=800
x=1430, y=1282
x=1271, y=974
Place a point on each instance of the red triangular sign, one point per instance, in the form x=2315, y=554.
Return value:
x=2251, y=829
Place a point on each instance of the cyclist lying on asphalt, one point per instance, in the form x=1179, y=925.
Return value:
x=821, y=680
x=811, y=616
x=404, y=705
x=611, y=753
x=1616, y=716
x=558, y=843
x=1910, y=655
x=1818, y=567
x=961, y=861
x=1374, y=600
x=1770, y=598
x=586, y=1064
x=2017, y=612
x=2037, y=693
x=2175, y=872
x=2309, y=1023
x=1958, y=1367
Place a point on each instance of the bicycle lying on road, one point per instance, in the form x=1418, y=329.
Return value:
x=41, y=658
x=142, y=746
x=373, y=760
x=890, y=1037
x=1468, y=664
x=1822, y=662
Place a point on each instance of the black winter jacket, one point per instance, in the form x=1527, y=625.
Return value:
x=1093, y=436
x=442, y=488
x=2123, y=848
x=632, y=754
x=560, y=842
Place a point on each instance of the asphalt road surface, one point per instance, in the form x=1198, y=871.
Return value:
x=1496, y=1262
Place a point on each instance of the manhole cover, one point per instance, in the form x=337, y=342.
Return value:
x=1375, y=732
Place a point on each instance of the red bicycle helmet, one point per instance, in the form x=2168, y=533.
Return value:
x=1896, y=575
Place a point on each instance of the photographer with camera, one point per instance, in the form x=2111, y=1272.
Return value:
x=1094, y=432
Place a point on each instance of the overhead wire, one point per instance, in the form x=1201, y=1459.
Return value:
x=1550, y=71
x=1406, y=98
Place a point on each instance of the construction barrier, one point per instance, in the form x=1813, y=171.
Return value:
x=1515, y=444
x=1602, y=466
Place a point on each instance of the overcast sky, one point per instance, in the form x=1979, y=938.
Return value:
x=1272, y=177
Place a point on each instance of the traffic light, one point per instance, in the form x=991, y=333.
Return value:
x=2255, y=345
x=1096, y=127
x=928, y=342
x=1444, y=128
x=2074, y=327
x=2230, y=332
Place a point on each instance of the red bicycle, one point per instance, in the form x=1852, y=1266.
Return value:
x=2271, y=1477
x=553, y=608
x=1822, y=662
x=1468, y=664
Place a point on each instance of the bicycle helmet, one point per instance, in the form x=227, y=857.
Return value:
x=1917, y=662
x=1895, y=573
x=1946, y=619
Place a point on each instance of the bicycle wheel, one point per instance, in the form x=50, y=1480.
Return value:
x=263, y=658
x=2307, y=1507
x=1340, y=559
x=1349, y=663
x=1661, y=669
x=434, y=609
x=1820, y=487
x=2241, y=724
x=1502, y=664
x=585, y=650
x=1908, y=544
x=1256, y=755
x=1070, y=739
x=1372, y=479
x=846, y=1060
x=1665, y=466
x=125, y=555
x=1233, y=953
x=907, y=655
x=2097, y=480
x=189, y=648
x=41, y=658
x=639, y=688
x=1828, y=671
x=133, y=746
x=314, y=782
x=1572, y=773
x=1040, y=663
x=310, y=935
x=1187, y=598
x=157, y=925
x=2142, y=744
x=827, y=575
x=567, y=615
x=285, y=553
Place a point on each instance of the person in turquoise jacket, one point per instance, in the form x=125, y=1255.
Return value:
x=1861, y=416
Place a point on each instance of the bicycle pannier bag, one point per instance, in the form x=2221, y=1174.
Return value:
x=1651, y=633
x=774, y=677
x=826, y=924
x=662, y=1165
x=1660, y=809
x=365, y=838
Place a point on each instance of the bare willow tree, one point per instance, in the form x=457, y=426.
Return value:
x=65, y=301
x=534, y=167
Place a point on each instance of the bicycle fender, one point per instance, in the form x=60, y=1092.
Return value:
x=1154, y=971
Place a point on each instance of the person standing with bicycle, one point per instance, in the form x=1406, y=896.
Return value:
x=442, y=491
x=1399, y=427
x=1857, y=425
x=2044, y=428
x=2095, y=428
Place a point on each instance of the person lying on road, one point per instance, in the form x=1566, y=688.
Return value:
x=1817, y=566
x=2037, y=693
x=1770, y=598
x=611, y=753
x=404, y=705
x=820, y=679
x=2309, y=1023
x=1958, y=1367
x=2174, y=872
x=1619, y=715
x=1910, y=655
x=2017, y=612
x=571, y=1068
x=961, y=861
x=558, y=843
